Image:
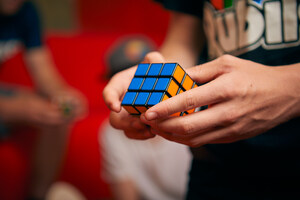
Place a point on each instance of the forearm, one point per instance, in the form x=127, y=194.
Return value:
x=12, y=109
x=184, y=40
x=47, y=79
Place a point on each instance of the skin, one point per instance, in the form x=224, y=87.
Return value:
x=245, y=98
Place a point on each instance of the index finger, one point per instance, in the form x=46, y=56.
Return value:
x=207, y=94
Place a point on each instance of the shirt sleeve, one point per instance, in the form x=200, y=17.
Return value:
x=32, y=35
x=192, y=7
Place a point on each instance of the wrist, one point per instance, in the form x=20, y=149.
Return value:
x=290, y=80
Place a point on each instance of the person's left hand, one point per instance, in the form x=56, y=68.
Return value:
x=245, y=99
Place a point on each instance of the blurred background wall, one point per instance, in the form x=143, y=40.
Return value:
x=58, y=14
x=127, y=15
x=102, y=15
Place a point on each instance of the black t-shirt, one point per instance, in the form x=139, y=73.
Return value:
x=20, y=29
x=265, y=32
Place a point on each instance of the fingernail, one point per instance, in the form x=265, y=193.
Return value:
x=151, y=116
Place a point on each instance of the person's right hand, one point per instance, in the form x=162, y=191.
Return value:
x=32, y=109
x=113, y=94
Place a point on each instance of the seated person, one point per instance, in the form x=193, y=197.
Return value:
x=50, y=107
x=144, y=169
x=149, y=169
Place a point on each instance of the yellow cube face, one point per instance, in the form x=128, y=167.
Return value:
x=153, y=83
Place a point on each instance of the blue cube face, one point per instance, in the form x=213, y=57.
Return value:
x=141, y=98
x=168, y=69
x=155, y=98
x=142, y=69
x=155, y=69
x=135, y=84
x=148, y=84
x=129, y=98
x=162, y=84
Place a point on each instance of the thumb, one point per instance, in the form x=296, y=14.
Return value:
x=154, y=57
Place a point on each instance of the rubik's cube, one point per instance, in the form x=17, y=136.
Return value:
x=153, y=83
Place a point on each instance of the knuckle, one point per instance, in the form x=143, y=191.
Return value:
x=167, y=109
x=194, y=72
x=235, y=91
x=225, y=59
x=235, y=130
x=187, y=127
x=190, y=101
x=231, y=116
x=230, y=91
x=225, y=92
x=225, y=62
